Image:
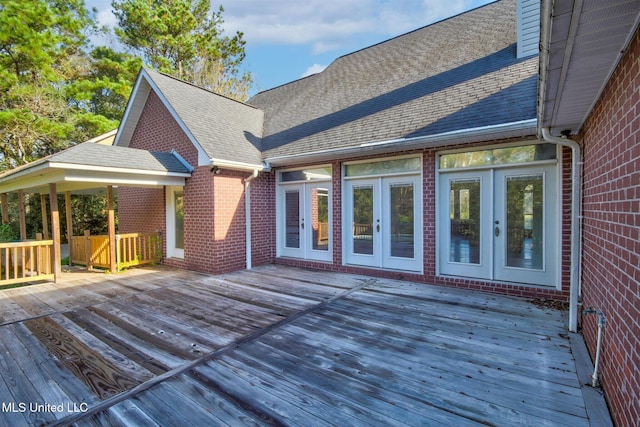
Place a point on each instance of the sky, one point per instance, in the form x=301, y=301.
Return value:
x=291, y=39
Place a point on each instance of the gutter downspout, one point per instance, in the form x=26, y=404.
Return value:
x=546, y=17
x=247, y=215
x=576, y=223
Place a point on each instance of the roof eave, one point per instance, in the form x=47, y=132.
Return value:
x=517, y=129
x=553, y=91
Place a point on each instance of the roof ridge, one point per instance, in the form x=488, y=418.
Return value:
x=415, y=30
x=380, y=43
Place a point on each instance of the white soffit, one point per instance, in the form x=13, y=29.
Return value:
x=588, y=38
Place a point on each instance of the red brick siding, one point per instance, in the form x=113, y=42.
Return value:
x=141, y=208
x=228, y=222
x=263, y=219
x=611, y=254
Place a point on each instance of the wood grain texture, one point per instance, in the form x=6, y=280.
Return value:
x=283, y=346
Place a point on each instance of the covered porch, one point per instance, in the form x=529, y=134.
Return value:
x=285, y=346
x=82, y=169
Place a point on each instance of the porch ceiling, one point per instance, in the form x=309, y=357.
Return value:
x=585, y=42
x=91, y=166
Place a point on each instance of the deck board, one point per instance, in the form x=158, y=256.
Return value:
x=281, y=346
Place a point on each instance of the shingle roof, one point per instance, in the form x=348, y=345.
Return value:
x=91, y=154
x=459, y=73
x=224, y=128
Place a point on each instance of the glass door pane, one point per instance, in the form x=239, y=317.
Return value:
x=526, y=225
x=362, y=220
x=292, y=218
x=402, y=220
x=319, y=205
x=179, y=219
x=464, y=221
x=525, y=221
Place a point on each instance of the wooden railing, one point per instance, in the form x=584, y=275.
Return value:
x=26, y=261
x=138, y=249
x=360, y=230
x=323, y=233
x=131, y=249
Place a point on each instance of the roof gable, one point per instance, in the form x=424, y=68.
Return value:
x=219, y=127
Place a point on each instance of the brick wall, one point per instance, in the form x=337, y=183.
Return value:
x=263, y=219
x=611, y=255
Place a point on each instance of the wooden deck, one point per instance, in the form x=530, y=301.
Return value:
x=279, y=346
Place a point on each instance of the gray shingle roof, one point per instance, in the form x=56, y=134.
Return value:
x=224, y=128
x=459, y=73
x=90, y=154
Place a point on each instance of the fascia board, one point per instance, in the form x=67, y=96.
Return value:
x=115, y=170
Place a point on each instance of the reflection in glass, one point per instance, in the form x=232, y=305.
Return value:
x=320, y=218
x=179, y=219
x=292, y=219
x=464, y=221
x=384, y=167
x=306, y=175
x=499, y=156
x=402, y=220
x=525, y=221
x=363, y=220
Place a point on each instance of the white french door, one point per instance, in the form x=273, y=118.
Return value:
x=305, y=221
x=383, y=222
x=500, y=224
x=175, y=222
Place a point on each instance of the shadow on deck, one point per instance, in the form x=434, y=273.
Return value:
x=279, y=346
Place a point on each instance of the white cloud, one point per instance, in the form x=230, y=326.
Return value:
x=327, y=24
x=314, y=69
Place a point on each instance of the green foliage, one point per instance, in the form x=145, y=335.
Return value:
x=184, y=38
x=38, y=41
x=7, y=233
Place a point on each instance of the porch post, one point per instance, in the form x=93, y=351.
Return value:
x=5, y=208
x=67, y=204
x=23, y=221
x=113, y=263
x=45, y=220
x=55, y=231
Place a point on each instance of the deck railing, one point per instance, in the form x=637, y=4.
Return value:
x=26, y=261
x=131, y=249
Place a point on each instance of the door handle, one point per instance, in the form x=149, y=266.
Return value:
x=496, y=231
x=378, y=228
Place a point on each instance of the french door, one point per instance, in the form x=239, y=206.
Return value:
x=383, y=222
x=500, y=224
x=305, y=221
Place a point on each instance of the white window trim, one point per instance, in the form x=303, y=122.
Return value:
x=420, y=219
x=559, y=184
x=280, y=219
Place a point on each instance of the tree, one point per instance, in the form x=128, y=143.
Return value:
x=184, y=38
x=38, y=41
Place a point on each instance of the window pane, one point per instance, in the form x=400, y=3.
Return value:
x=320, y=218
x=306, y=175
x=525, y=220
x=292, y=219
x=402, y=220
x=499, y=156
x=363, y=220
x=179, y=219
x=464, y=221
x=412, y=164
